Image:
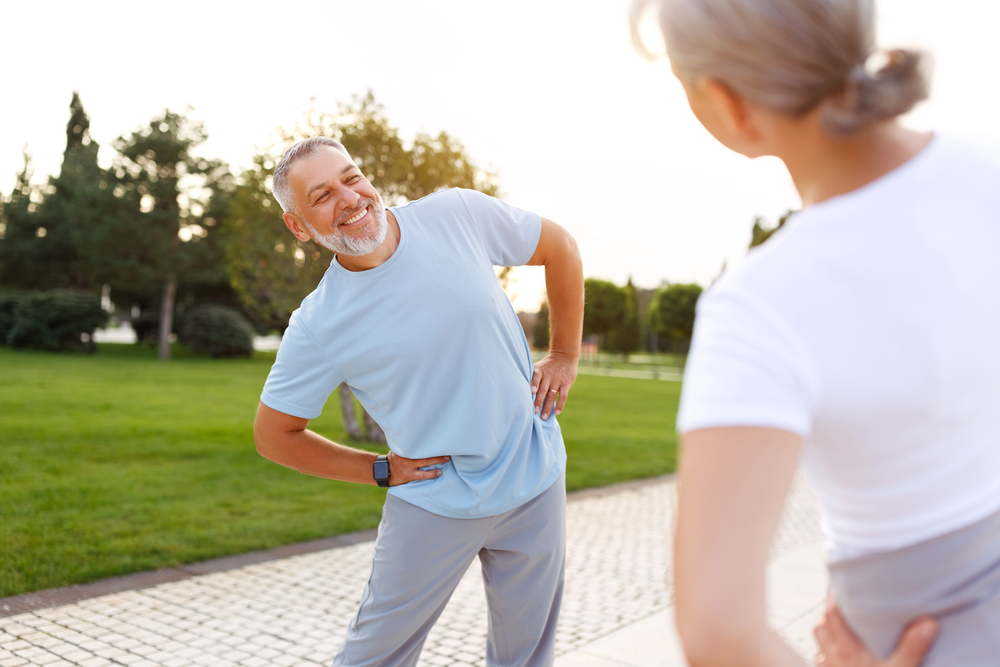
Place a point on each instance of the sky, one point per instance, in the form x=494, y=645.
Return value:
x=548, y=93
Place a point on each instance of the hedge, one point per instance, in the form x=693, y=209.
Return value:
x=56, y=320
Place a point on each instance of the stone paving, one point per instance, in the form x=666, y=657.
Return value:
x=294, y=611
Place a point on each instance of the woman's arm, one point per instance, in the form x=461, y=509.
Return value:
x=733, y=484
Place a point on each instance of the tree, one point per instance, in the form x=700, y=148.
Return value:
x=605, y=309
x=270, y=269
x=626, y=336
x=164, y=185
x=55, y=237
x=672, y=315
x=761, y=232
x=540, y=332
x=19, y=230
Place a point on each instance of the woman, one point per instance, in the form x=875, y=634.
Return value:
x=863, y=338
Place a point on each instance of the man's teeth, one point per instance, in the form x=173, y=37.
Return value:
x=354, y=218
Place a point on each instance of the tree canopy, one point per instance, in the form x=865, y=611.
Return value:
x=762, y=232
x=672, y=315
x=626, y=336
x=606, y=307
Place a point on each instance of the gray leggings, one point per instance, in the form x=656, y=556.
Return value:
x=420, y=558
x=954, y=577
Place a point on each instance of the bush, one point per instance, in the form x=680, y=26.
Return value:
x=217, y=331
x=57, y=320
x=147, y=327
x=8, y=304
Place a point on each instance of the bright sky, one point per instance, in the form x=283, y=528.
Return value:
x=546, y=92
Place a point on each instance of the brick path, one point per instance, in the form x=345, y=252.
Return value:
x=294, y=611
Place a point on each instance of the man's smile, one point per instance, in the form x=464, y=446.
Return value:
x=355, y=219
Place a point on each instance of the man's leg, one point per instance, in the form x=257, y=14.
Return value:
x=524, y=562
x=419, y=559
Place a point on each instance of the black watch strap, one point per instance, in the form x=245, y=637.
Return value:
x=380, y=470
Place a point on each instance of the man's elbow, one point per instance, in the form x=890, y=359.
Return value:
x=263, y=440
x=571, y=248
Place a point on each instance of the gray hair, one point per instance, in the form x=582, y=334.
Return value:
x=280, y=186
x=791, y=56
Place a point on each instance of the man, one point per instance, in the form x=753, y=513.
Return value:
x=411, y=316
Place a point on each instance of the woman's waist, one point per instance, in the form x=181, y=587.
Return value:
x=939, y=576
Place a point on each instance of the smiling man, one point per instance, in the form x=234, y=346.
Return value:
x=411, y=316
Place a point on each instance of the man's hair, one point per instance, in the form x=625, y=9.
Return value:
x=281, y=188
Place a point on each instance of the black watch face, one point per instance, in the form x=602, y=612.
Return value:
x=380, y=469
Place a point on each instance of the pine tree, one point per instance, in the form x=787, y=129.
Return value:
x=19, y=230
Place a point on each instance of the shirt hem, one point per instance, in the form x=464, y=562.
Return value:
x=288, y=408
x=753, y=417
x=448, y=513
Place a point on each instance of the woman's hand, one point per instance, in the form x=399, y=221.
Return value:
x=840, y=647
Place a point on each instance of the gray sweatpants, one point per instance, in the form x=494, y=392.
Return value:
x=419, y=559
x=954, y=577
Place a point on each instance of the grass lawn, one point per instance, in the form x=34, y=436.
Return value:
x=115, y=463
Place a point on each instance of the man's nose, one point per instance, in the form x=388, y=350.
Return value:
x=349, y=200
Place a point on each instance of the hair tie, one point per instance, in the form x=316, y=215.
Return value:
x=858, y=73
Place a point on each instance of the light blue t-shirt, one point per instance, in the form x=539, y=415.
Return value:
x=432, y=348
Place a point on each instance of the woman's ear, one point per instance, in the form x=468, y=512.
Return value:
x=731, y=110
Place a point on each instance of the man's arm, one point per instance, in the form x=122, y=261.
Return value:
x=733, y=483
x=555, y=374
x=284, y=439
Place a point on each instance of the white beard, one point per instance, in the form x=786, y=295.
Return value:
x=355, y=246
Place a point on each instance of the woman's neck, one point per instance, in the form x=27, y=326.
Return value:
x=823, y=167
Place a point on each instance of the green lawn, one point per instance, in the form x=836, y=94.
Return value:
x=115, y=463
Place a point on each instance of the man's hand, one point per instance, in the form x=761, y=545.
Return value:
x=551, y=381
x=403, y=471
x=840, y=647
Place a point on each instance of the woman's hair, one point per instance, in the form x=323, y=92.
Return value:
x=791, y=56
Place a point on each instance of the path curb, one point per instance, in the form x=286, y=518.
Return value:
x=56, y=597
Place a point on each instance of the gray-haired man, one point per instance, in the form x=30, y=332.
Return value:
x=411, y=316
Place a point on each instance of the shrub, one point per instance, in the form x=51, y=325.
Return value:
x=8, y=304
x=57, y=320
x=217, y=331
x=147, y=326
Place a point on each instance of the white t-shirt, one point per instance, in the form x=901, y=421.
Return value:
x=870, y=325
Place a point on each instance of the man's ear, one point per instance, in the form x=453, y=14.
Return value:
x=296, y=226
x=732, y=110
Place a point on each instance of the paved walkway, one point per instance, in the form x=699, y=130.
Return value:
x=294, y=611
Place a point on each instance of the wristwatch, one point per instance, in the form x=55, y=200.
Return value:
x=380, y=470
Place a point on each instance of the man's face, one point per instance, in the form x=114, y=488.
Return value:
x=337, y=205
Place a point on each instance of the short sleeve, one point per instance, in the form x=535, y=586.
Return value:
x=510, y=234
x=302, y=377
x=746, y=368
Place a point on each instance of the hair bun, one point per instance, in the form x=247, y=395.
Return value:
x=893, y=88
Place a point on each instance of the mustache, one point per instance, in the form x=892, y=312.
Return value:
x=363, y=204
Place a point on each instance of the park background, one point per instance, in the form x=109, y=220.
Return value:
x=112, y=463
